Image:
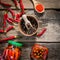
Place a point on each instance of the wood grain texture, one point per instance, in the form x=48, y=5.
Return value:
x=50, y=19
x=54, y=4
x=54, y=49
x=52, y=23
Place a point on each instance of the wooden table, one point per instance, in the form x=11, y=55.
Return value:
x=50, y=19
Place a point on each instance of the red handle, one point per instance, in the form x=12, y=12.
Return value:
x=42, y=32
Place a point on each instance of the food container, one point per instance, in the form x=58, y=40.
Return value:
x=39, y=52
x=12, y=51
x=23, y=29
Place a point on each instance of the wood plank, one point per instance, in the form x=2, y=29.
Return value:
x=54, y=49
x=54, y=4
x=50, y=3
x=1, y=19
x=48, y=14
x=51, y=35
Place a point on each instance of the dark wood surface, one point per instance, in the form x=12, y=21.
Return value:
x=50, y=19
x=55, y=4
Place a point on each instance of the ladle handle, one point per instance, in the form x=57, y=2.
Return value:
x=34, y=2
x=25, y=19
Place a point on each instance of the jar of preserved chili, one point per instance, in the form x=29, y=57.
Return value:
x=39, y=52
x=13, y=51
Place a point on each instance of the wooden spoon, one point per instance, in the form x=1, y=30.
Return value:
x=27, y=22
x=38, y=7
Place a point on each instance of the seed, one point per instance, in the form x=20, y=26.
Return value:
x=34, y=54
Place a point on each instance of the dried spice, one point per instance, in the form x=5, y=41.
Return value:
x=5, y=4
x=42, y=32
x=18, y=15
x=4, y=20
x=16, y=3
x=1, y=31
x=39, y=52
x=30, y=31
x=39, y=8
x=9, y=28
x=9, y=20
x=8, y=38
x=22, y=6
x=12, y=12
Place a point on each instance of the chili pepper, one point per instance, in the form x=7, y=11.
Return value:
x=6, y=39
x=22, y=6
x=14, y=20
x=16, y=3
x=9, y=20
x=9, y=38
x=42, y=32
x=5, y=18
x=12, y=12
x=1, y=57
x=18, y=15
x=11, y=53
x=1, y=31
x=9, y=28
x=5, y=4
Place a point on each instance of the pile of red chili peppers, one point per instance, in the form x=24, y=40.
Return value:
x=15, y=18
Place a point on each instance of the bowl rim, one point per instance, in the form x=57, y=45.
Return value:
x=23, y=32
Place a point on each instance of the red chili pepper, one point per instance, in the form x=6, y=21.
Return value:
x=5, y=4
x=12, y=12
x=18, y=16
x=9, y=20
x=9, y=28
x=5, y=18
x=42, y=32
x=22, y=6
x=13, y=20
x=1, y=31
x=16, y=3
x=17, y=21
x=6, y=39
